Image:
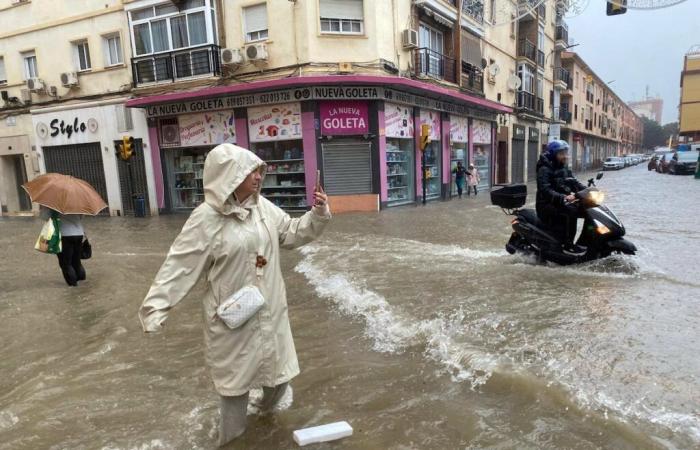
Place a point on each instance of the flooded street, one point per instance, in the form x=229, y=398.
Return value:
x=412, y=324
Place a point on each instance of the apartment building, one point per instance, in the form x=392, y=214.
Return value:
x=690, y=98
x=64, y=79
x=597, y=123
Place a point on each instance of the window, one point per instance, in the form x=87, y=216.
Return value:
x=540, y=38
x=576, y=81
x=575, y=112
x=341, y=16
x=31, y=70
x=163, y=28
x=113, y=50
x=81, y=54
x=527, y=76
x=3, y=76
x=540, y=86
x=255, y=22
x=431, y=60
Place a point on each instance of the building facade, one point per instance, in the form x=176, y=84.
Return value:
x=597, y=123
x=651, y=108
x=64, y=78
x=690, y=98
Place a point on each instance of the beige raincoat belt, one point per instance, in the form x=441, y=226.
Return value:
x=222, y=239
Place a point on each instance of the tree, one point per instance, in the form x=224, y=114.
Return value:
x=654, y=134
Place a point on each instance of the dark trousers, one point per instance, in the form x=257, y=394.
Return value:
x=69, y=259
x=469, y=190
x=560, y=220
x=460, y=185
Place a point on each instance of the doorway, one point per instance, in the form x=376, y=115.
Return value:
x=13, y=174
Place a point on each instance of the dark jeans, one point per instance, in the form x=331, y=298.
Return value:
x=69, y=259
x=469, y=190
x=560, y=220
x=460, y=185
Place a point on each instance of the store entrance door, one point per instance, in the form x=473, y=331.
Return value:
x=533, y=154
x=132, y=178
x=82, y=161
x=13, y=175
x=347, y=167
x=502, y=162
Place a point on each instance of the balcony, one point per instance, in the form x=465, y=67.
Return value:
x=527, y=9
x=186, y=64
x=529, y=103
x=474, y=9
x=561, y=41
x=561, y=115
x=527, y=49
x=472, y=78
x=435, y=65
x=562, y=78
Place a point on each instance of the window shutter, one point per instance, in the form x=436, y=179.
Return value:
x=3, y=77
x=341, y=9
x=255, y=18
x=471, y=49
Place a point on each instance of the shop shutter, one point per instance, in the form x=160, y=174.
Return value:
x=255, y=18
x=347, y=168
x=132, y=178
x=341, y=9
x=471, y=49
x=517, y=161
x=533, y=155
x=82, y=161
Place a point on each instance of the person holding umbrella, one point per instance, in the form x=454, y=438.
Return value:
x=234, y=239
x=67, y=199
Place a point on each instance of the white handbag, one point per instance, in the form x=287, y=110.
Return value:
x=241, y=306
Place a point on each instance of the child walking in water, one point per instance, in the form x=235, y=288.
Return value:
x=472, y=179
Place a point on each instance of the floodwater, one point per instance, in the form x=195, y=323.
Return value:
x=413, y=324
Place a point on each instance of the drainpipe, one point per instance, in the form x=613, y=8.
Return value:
x=458, y=53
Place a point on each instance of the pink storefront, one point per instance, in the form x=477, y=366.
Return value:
x=360, y=132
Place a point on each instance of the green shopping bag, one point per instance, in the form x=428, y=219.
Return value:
x=49, y=240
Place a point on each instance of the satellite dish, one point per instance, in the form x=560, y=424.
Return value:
x=514, y=83
x=484, y=63
x=494, y=70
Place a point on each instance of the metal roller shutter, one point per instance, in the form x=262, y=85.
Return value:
x=533, y=155
x=132, y=178
x=517, y=161
x=347, y=168
x=82, y=161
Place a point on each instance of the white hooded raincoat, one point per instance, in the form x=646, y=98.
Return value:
x=222, y=239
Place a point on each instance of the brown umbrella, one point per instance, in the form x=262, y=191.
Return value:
x=65, y=194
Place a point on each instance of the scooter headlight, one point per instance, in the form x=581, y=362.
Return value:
x=596, y=197
x=600, y=228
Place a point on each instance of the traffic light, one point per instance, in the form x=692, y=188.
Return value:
x=126, y=148
x=616, y=7
x=424, y=136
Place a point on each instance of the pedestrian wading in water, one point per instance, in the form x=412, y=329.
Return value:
x=234, y=238
x=72, y=233
x=473, y=179
x=460, y=173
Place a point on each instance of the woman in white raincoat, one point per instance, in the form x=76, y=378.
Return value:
x=223, y=238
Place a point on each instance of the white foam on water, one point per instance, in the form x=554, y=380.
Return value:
x=8, y=420
x=154, y=444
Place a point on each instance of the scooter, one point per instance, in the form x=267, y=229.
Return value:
x=602, y=233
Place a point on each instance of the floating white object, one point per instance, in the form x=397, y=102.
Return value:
x=322, y=433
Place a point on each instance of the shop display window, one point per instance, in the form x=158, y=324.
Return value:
x=186, y=172
x=482, y=162
x=400, y=170
x=285, y=182
x=458, y=153
x=432, y=170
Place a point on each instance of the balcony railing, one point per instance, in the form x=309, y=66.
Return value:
x=562, y=33
x=540, y=58
x=529, y=102
x=433, y=64
x=474, y=9
x=561, y=74
x=527, y=49
x=561, y=114
x=472, y=78
x=176, y=65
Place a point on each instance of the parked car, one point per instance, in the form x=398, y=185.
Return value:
x=683, y=163
x=613, y=163
x=628, y=161
x=662, y=166
x=653, y=161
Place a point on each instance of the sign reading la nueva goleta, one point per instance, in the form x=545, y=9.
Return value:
x=313, y=93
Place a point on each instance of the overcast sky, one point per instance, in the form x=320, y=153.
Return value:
x=639, y=48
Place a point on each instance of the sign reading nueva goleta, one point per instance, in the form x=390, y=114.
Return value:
x=313, y=93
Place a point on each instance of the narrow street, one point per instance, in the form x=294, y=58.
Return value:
x=424, y=336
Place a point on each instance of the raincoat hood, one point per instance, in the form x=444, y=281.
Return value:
x=225, y=168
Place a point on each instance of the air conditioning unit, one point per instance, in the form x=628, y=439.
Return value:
x=69, y=79
x=36, y=84
x=409, y=38
x=231, y=56
x=256, y=52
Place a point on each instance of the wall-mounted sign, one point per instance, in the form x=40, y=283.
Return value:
x=275, y=123
x=213, y=128
x=342, y=117
x=431, y=118
x=58, y=126
x=317, y=93
x=459, y=129
x=398, y=121
x=534, y=134
x=481, y=132
x=519, y=132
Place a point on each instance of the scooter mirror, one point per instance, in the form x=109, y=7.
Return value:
x=599, y=176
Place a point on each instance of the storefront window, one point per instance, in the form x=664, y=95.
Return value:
x=459, y=134
x=432, y=154
x=481, y=132
x=186, y=165
x=400, y=148
x=275, y=136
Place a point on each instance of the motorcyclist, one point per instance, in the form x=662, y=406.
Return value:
x=556, y=187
